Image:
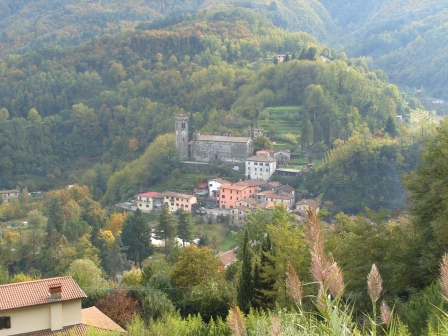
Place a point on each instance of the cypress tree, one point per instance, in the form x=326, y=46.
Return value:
x=185, y=226
x=265, y=292
x=245, y=290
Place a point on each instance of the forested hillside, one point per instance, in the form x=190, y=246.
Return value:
x=30, y=25
x=107, y=99
x=399, y=35
x=405, y=38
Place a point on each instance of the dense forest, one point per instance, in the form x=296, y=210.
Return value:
x=397, y=35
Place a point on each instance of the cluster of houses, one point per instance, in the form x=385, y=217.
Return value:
x=234, y=201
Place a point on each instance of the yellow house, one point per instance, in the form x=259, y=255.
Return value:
x=48, y=307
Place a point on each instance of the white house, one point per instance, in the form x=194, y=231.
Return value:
x=214, y=185
x=260, y=167
x=149, y=201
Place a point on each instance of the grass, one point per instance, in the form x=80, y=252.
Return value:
x=228, y=244
x=217, y=235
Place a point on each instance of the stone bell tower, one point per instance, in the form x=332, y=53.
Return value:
x=181, y=128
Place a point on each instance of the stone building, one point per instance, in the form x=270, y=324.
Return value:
x=206, y=148
x=181, y=128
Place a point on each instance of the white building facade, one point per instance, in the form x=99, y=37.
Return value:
x=260, y=167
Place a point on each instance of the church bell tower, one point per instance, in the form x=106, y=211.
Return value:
x=181, y=128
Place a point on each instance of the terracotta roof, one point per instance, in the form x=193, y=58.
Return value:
x=31, y=293
x=270, y=194
x=203, y=185
x=175, y=194
x=252, y=183
x=265, y=205
x=243, y=208
x=287, y=187
x=219, y=180
x=263, y=152
x=222, y=138
x=228, y=257
x=275, y=184
x=96, y=318
x=310, y=202
x=233, y=186
x=249, y=200
x=74, y=330
x=150, y=194
x=261, y=158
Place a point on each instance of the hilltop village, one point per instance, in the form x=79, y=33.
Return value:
x=219, y=200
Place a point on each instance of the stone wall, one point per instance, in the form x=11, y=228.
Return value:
x=206, y=151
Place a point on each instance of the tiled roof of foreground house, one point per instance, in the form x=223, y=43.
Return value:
x=34, y=293
x=94, y=317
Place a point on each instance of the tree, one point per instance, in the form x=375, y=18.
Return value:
x=262, y=142
x=264, y=287
x=391, y=128
x=245, y=282
x=136, y=236
x=115, y=222
x=166, y=228
x=113, y=257
x=196, y=266
x=55, y=221
x=185, y=227
x=86, y=274
x=119, y=307
x=428, y=197
x=35, y=238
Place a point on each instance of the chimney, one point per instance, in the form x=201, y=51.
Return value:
x=55, y=292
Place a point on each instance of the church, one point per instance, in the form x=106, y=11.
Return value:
x=206, y=148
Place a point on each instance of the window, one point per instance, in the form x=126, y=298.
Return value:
x=139, y=205
x=177, y=204
x=147, y=205
x=186, y=206
x=177, y=198
x=172, y=204
x=223, y=196
x=266, y=164
x=5, y=322
x=230, y=197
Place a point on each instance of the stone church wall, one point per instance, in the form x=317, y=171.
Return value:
x=206, y=151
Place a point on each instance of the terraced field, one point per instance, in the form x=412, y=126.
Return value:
x=284, y=121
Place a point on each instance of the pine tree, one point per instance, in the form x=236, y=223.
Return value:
x=136, y=236
x=245, y=283
x=185, y=227
x=166, y=229
x=55, y=222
